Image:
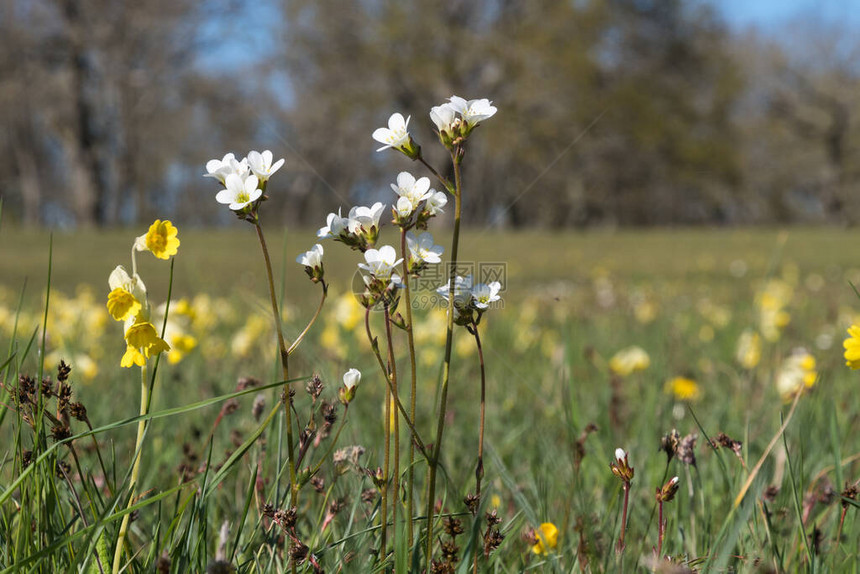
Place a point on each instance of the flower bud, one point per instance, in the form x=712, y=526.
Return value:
x=667, y=493
x=621, y=467
x=351, y=378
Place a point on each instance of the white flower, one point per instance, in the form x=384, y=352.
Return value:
x=462, y=291
x=436, y=202
x=444, y=117
x=395, y=135
x=220, y=169
x=366, y=217
x=403, y=207
x=380, y=264
x=473, y=111
x=335, y=224
x=422, y=248
x=261, y=164
x=620, y=454
x=351, y=378
x=483, y=295
x=239, y=194
x=412, y=190
x=312, y=258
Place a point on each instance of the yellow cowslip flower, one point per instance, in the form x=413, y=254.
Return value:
x=547, y=538
x=629, y=360
x=132, y=357
x=852, y=347
x=161, y=240
x=121, y=304
x=683, y=388
x=748, y=352
x=142, y=342
x=127, y=296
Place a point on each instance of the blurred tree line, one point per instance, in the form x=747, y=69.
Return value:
x=611, y=112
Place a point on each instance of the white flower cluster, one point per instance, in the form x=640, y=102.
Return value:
x=416, y=201
x=470, y=301
x=454, y=121
x=243, y=180
x=359, y=229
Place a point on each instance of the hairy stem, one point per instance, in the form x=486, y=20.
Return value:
x=410, y=338
x=375, y=347
x=285, y=366
x=446, y=368
x=392, y=368
x=479, y=468
x=311, y=322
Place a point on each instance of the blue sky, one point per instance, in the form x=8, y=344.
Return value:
x=768, y=13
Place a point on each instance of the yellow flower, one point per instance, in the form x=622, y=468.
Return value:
x=683, y=388
x=142, y=342
x=852, y=347
x=121, y=304
x=629, y=360
x=547, y=538
x=161, y=239
x=132, y=357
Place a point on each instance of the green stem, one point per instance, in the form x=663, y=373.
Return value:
x=479, y=468
x=446, y=369
x=311, y=322
x=285, y=368
x=383, y=552
x=438, y=176
x=375, y=347
x=395, y=488
x=410, y=337
x=135, y=470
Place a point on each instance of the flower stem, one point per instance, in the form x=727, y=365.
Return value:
x=410, y=338
x=446, y=369
x=660, y=529
x=479, y=468
x=438, y=176
x=383, y=545
x=375, y=347
x=392, y=366
x=620, y=547
x=285, y=368
x=135, y=469
x=311, y=322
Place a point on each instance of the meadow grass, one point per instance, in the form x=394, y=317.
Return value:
x=572, y=300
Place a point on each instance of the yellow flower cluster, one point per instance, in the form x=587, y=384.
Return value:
x=127, y=300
